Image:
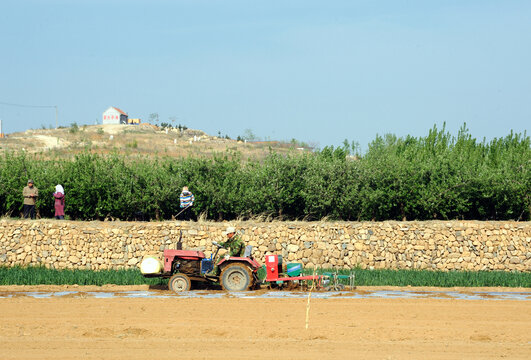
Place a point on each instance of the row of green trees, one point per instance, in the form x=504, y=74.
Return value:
x=438, y=176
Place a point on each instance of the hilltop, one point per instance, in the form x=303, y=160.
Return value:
x=144, y=139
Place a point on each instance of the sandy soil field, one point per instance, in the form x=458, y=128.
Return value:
x=81, y=327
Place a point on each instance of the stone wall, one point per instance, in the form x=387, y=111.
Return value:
x=440, y=245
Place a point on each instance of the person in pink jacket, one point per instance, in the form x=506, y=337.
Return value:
x=59, y=196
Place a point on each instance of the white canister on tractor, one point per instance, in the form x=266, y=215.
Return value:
x=150, y=265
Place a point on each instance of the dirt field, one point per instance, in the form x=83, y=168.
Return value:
x=81, y=327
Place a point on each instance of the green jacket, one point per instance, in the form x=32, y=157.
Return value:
x=235, y=245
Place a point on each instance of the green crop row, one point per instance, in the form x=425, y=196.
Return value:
x=37, y=275
x=43, y=276
x=433, y=177
x=403, y=277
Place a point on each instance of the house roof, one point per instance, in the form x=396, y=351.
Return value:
x=115, y=108
x=120, y=111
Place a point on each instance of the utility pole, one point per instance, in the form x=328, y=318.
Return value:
x=56, y=116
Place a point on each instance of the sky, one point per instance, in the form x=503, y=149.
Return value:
x=316, y=71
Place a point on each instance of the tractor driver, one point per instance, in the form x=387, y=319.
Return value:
x=234, y=245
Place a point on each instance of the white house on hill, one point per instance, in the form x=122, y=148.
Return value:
x=114, y=115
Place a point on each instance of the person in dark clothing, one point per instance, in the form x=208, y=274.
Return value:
x=30, y=193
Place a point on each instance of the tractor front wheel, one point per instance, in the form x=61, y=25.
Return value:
x=179, y=283
x=236, y=277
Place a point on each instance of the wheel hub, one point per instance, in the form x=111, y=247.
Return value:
x=179, y=284
x=236, y=278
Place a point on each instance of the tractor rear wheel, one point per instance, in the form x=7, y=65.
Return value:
x=236, y=277
x=179, y=283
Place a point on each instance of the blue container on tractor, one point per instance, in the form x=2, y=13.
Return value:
x=294, y=269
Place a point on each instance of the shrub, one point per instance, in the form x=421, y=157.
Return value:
x=73, y=128
x=432, y=177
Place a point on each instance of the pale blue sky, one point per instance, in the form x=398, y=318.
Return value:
x=317, y=71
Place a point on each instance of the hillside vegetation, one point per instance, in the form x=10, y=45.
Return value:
x=433, y=177
x=130, y=140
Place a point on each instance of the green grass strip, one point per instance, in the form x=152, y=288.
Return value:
x=385, y=277
x=37, y=275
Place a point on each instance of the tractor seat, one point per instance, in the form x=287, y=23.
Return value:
x=248, y=251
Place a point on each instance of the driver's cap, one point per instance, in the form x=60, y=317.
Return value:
x=230, y=229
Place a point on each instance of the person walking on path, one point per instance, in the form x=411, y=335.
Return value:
x=59, y=196
x=30, y=193
x=187, y=200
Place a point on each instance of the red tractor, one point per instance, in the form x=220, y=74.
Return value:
x=187, y=269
